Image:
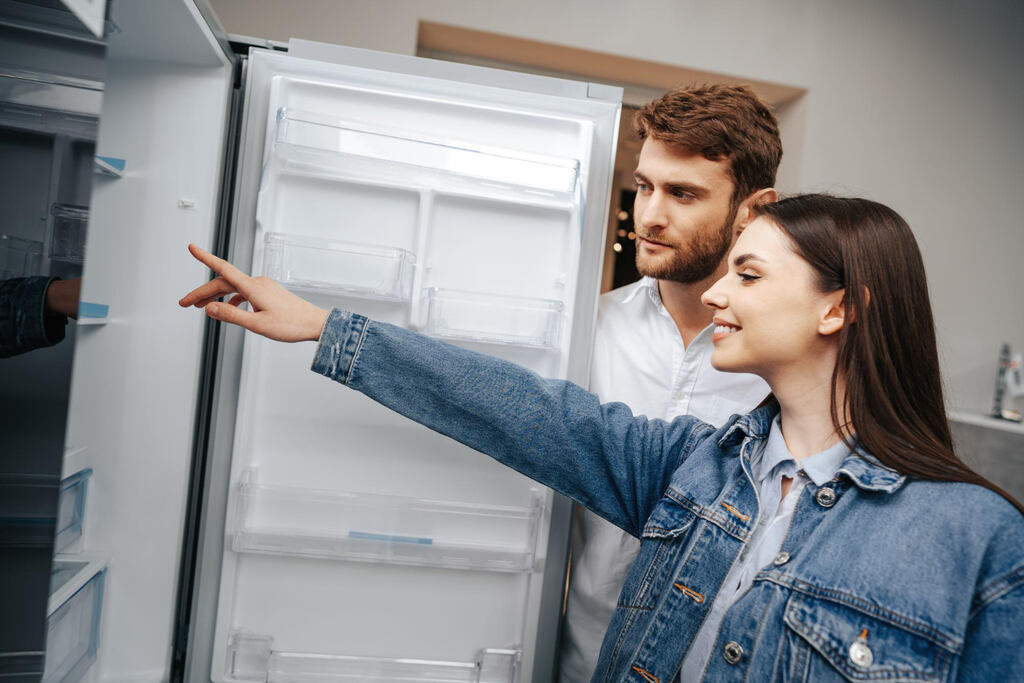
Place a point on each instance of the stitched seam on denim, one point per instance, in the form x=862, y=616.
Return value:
x=626, y=629
x=647, y=581
x=359, y=347
x=951, y=643
x=707, y=515
x=1005, y=585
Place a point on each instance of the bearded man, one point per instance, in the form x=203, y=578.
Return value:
x=709, y=155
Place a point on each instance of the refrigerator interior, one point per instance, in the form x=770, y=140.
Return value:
x=356, y=543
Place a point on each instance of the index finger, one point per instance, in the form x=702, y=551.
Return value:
x=218, y=265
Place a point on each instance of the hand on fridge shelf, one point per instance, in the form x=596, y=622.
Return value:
x=276, y=313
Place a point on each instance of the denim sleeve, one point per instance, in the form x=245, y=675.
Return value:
x=992, y=651
x=24, y=323
x=554, y=432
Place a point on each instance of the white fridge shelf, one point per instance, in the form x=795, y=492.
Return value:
x=328, y=266
x=493, y=319
x=251, y=657
x=392, y=529
x=73, y=618
x=348, y=150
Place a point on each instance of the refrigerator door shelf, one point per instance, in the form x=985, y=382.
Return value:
x=73, y=622
x=251, y=658
x=67, y=242
x=326, y=266
x=347, y=146
x=19, y=257
x=71, y=509
x=493, y=319
x=364, y=527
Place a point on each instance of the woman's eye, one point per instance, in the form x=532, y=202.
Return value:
x=747, y=277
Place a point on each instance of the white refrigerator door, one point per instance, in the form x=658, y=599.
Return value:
x=466, y=203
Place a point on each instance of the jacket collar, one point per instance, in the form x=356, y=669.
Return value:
x=862, y=468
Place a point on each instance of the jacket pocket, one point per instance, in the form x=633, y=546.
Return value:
x=661, y=541
x=836, y=642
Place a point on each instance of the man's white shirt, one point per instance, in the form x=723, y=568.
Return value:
x=639, y=359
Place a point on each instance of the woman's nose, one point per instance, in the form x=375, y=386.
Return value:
x=714, y=297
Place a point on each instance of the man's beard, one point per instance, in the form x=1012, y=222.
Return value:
x=698, y=262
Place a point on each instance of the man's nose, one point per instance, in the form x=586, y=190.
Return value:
x=651, y=211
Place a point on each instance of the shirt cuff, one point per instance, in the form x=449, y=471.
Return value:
x=339, y=345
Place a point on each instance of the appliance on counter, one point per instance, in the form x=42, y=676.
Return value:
x=256, y=521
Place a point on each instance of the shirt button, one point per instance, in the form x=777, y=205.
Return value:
x=826, y=497
x=860, y=654
x=781, y=559
x=732, y=652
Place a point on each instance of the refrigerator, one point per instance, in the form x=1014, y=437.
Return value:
x=245, y=518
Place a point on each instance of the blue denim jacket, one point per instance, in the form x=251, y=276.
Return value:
x=880, y=578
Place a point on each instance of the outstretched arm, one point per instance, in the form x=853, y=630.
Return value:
x=553, y=431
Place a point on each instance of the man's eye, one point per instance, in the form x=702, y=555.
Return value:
x=747, y=277
x=641, y=187
x=683, y=194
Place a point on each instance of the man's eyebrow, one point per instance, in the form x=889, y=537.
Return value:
x=743, y=258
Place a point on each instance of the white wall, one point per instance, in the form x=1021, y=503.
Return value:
x=916, y=103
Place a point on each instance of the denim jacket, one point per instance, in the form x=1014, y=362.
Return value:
x=880, y=577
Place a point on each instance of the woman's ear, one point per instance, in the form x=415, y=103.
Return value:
x=835, y=312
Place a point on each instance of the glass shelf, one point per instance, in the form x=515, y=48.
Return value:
x=335, y=267
x=73, y=618
x=108, y=166
x=342, y=147
x=376, y=528
x=93, y=314
x=19, y=257
x=67, y=241
x=251, y=657
x=71, y=509
x=494, y=319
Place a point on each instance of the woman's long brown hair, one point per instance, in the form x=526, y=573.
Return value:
x=887, y=352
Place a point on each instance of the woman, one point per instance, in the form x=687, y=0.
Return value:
x=831, y=534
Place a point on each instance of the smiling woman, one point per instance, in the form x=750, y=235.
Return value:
x=832, y=534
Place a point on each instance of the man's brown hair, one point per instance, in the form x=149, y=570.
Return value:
x=718, y=122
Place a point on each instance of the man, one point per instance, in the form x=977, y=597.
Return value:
x=709, y=154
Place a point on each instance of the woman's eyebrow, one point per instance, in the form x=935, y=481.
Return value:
x=743, y=258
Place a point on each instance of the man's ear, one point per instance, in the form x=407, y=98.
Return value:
x=745, y=214
x=834, y=316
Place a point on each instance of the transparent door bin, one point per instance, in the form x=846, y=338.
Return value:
x=71, y=510
x=18, y=257
x=73, y=622
x=251, y=657
x=327, y=266
x=330, y=144
x=493, y=319
x=391, y=529
x=67, y=242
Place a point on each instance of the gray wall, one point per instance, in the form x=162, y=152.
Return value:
x=915, y=103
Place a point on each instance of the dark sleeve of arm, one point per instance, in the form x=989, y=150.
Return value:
x=552, y=431
x=24, y=322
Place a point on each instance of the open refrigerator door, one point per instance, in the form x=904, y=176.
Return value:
x=466, y=203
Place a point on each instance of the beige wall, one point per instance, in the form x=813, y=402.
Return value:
x=915, y=103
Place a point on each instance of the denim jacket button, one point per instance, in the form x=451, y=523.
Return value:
x=732, y=652
x=781, y=559
x=861, y=655
x=826, y=497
